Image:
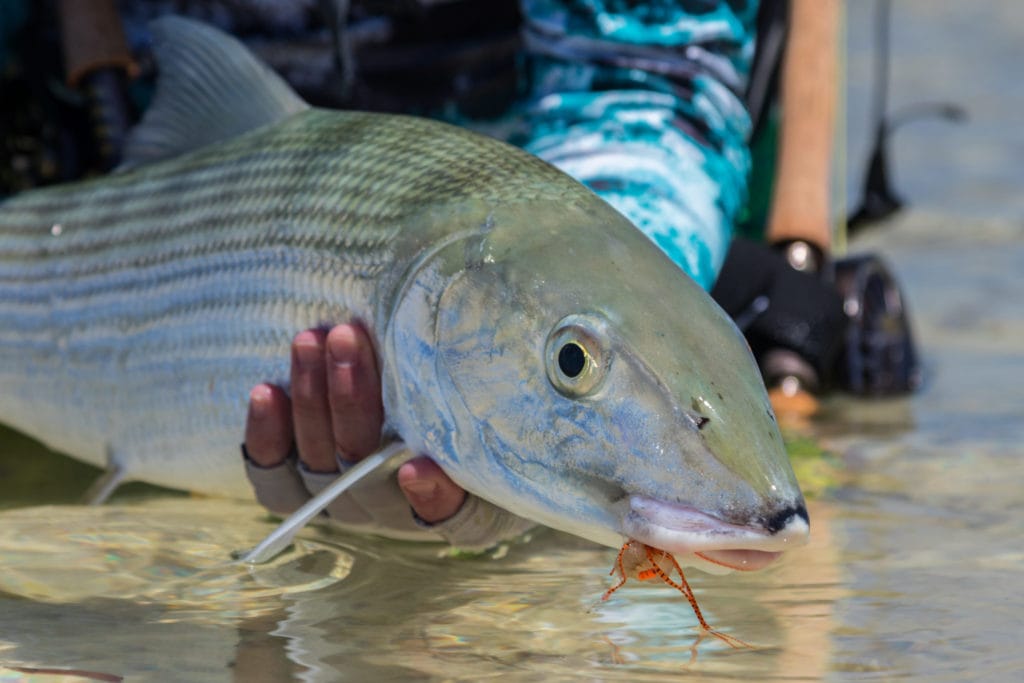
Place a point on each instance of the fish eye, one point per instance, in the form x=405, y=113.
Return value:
x=577, y=358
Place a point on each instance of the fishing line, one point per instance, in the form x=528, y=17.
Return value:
x=281, y=537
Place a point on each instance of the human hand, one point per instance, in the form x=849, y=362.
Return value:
x=334, y=415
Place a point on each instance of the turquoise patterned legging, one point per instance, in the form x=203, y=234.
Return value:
x=641, y=102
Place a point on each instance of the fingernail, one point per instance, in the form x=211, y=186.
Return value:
x=341, y=346
x=307, y=353
x=259, y=400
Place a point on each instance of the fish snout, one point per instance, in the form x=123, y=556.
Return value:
x=789, y=517
x=708, y=542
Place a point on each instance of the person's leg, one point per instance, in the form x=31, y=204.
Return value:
x=642, y=103
x=632, y=148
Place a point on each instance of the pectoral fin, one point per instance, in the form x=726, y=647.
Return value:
x=105, y=484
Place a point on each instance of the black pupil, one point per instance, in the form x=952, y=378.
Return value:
x=571, y=360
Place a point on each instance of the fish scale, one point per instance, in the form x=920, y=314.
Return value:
x=137, y=310
x=220, y=257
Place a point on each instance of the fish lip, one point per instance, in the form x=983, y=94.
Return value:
x=710, y=542
x=739, y=560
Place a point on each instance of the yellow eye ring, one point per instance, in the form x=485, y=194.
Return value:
x=577, y=358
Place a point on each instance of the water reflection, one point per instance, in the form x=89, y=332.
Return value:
x=165, y=552
x=146, y=590
x=535, y=612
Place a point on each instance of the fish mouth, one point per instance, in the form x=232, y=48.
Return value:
x=712, y=544
x=739, y=560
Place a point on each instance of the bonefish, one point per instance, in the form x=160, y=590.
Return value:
x=535, y=343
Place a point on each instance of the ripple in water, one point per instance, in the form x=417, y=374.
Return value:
x=175, y=553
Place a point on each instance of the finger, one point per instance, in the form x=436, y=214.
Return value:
x=310, y=410
x=268, y=442
x=429, y=491
x=268, y=425
x=279, y=488
x=354, y=392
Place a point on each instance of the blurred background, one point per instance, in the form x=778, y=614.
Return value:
x=915, y=571
x=965, y=54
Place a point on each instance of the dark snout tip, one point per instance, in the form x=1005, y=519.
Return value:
x=784, y=517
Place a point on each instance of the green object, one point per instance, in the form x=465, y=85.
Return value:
x=764, y=150
x=817, y=469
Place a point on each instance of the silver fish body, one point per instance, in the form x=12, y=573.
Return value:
x=137, y=309
x=531, y=339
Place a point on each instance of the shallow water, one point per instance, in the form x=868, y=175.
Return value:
x=915, y=571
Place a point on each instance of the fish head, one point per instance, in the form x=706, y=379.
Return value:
x=587, y=383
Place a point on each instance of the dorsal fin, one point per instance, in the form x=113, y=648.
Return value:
x=209, y=88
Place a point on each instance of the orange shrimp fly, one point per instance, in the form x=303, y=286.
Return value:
x=640, y=561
